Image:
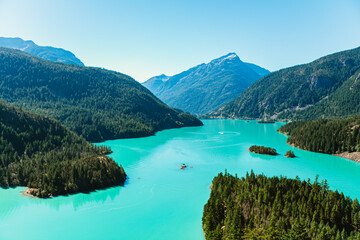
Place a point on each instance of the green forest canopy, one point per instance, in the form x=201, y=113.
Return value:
x=95, y=103
x=325, y=136
x=263, y=150
x=38, y=152
x=328, y=86
x=260, y=207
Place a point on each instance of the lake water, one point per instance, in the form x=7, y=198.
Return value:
x=159, y=201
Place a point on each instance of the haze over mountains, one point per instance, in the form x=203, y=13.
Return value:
x=48, y=53
x=206, y=87
x=325, y=88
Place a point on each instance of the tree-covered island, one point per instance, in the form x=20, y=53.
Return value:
x=263, y=150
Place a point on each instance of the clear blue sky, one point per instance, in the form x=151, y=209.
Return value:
x=147, y=38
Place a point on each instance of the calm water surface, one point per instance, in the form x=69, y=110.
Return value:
x=159, y=201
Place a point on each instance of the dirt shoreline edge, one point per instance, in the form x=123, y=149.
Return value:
x=354, y=156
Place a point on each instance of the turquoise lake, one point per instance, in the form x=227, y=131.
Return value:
x=160, y=201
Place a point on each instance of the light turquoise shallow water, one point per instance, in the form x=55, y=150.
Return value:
x=160, y=201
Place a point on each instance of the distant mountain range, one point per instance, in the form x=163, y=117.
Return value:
x=95, y=103
x=326, y=88
x=48, y=53
x=206, y=87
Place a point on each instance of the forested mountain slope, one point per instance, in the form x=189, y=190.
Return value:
x=95, y=103
x=38, y=152
x=325, y=87
x=344, y=102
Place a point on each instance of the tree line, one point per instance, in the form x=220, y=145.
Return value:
x=95, y=103
x=260, y=207
x=325, y=135
x=40, y=153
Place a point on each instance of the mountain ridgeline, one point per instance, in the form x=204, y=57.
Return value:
x=326, y=88
x=260, y=207
x=206, y=87
x=38, y=152
x=95, y=103
x=48, y=53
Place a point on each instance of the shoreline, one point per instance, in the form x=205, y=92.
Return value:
x=27, y=193
x=265, y=153
x=353, y=156
x=234, y=118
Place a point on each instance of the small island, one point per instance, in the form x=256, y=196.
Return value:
x=263, y=150
x=290, y=154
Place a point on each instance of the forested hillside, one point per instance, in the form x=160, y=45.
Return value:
x=327, y=87
x=260, y=207
x=38, y=152
x=345, y=101
x=325, y=136
x=95, y=103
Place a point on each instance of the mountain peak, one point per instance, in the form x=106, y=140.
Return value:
x=163, y=76
x=228, y=57
x=155, y=82
x=205, y=87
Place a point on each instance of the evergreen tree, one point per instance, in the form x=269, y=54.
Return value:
x=259, y=207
